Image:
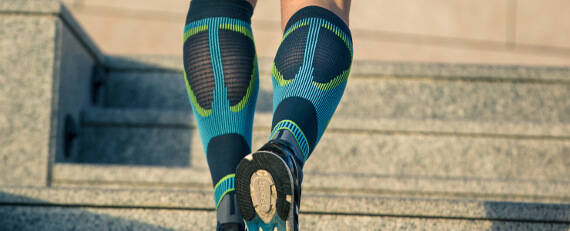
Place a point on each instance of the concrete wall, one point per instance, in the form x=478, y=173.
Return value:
x=486, y=31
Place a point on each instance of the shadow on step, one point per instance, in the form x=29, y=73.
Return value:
x=157, y=82
x=520, y=215
x=135, y=145
x=23, y=213
x=144, y=116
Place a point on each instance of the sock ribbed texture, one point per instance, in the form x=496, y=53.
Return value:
x=220, y=69
x=310, y=72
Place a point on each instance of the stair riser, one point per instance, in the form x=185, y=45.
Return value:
x=135, y=146
x=331, y=203
x=377, y=97
x=57, y=218
x=343, y=152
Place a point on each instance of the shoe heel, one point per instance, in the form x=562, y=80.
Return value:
x=263, y=195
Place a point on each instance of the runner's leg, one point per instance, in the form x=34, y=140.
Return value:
x=220, y=68
x=309, y=74
x=311, y=68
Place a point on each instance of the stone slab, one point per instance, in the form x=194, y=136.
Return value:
x=80, y=34
x=45, y=81
x=425, y=154
x=51, y=8
x=165, y=6
x=263, y=119
x=114, y=31
x=26, y=98
x=447, y=157
x=459, y=32
x=138, y=90
x=135, y=146
x=144, y=63
x=465, y=72
x=184, y=199
x=118, y=176
x=452, y=156
x=30, y=6
x=61, y=218
x=483, y=22
x=474, y=99
x=371, y=68
x=74, y=66
x=112, y=23
x=533, y=18
x=463, y=19
x=160, y=91
x=386, y=47
x=456, y=100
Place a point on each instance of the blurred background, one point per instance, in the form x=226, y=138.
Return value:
x=525, y=32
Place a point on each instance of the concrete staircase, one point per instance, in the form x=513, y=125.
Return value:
x=411, y=147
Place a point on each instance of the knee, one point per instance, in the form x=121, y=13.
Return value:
x=339, y=7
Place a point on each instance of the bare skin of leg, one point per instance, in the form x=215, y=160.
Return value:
x=288, y=7
x=252, y=2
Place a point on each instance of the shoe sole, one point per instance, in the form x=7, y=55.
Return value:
x=264, y=192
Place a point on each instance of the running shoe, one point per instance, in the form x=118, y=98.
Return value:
x=268, y=185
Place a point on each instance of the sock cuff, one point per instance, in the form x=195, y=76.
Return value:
x=297, y=133
x=317, y=12
x=200, y=9
x=223, y=187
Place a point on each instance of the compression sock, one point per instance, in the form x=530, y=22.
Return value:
x=220, y=68
x=310, y=72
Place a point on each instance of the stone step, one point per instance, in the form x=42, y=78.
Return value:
x=45, y=64
x=458, y=151
x=500, y=94
x=437, y=130
x=345, y=183
x=382, y=162
x=383, y=159
x=57, y=218
x=66, y=208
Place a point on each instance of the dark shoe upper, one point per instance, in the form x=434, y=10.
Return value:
x=285, y=146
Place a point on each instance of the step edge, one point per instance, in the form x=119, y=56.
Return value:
x=369, y=68
x=108, y=117
x=432, y=186
x=312, y=203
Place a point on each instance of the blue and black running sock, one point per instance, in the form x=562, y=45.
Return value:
x=220, y=68
x=310, y=72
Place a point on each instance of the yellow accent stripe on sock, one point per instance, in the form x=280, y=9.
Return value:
x=237, y=28
x=224, y=178
x=295, y=27
x=279, y=77
x=252, y=82
x=340, y=35
x=222, y=196
x=301, y=141
x=193, y=31
x=338, y=80
x=201, y=111
x=226, y=191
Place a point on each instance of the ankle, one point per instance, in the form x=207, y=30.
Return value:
x=285, y=139
x=228, y=211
